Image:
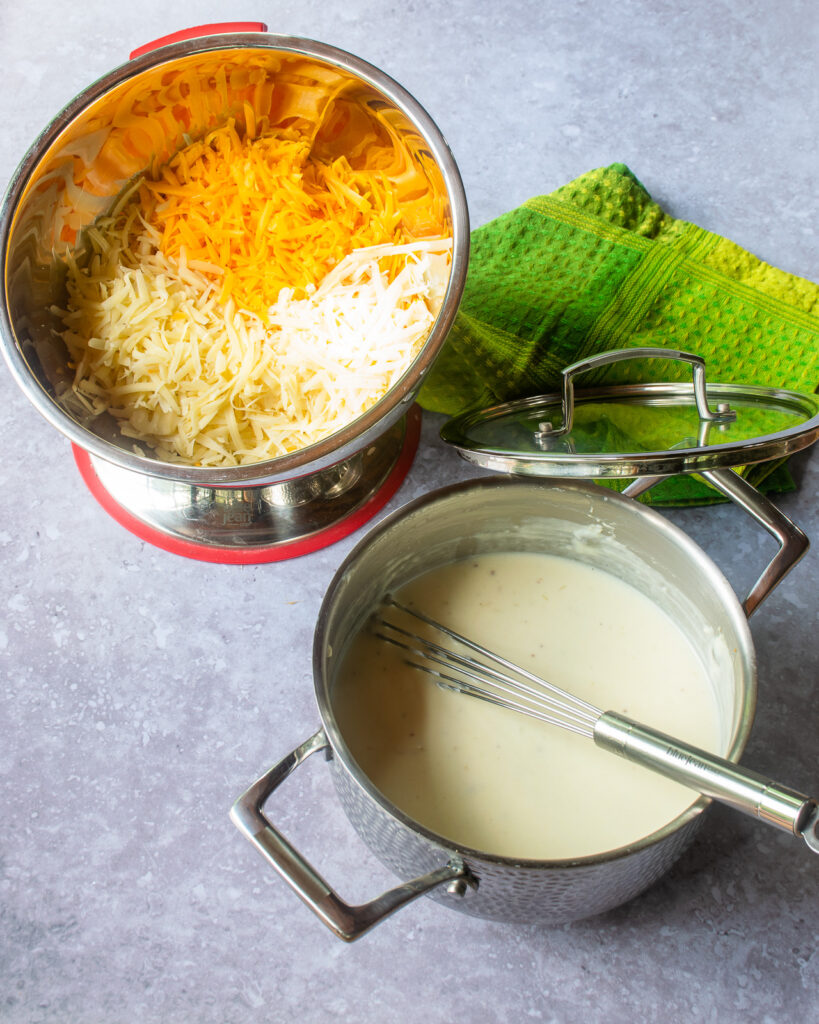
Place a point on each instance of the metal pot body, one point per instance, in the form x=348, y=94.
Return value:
x=575, y=520
x=183, y=89
x=529, y=892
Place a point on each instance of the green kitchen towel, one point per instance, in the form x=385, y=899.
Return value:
x=598, y=265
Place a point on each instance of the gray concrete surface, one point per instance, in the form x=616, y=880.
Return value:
x=141, y=692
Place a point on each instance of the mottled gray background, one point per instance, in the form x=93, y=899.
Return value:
x=142, y=692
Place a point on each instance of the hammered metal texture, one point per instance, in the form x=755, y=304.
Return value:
x=519, y=893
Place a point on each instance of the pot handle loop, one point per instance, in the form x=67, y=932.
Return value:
x=793, y=543
x=198, y=30
x=348, y=922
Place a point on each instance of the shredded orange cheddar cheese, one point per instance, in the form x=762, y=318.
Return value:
x=261, y=214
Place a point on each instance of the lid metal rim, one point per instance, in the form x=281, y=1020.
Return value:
x=599, y=465
x=667, y=462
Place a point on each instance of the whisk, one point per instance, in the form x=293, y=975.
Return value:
x=498, y=681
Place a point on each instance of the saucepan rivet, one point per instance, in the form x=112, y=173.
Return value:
x=458, y=887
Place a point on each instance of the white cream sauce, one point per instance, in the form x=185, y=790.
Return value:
x=493, y=780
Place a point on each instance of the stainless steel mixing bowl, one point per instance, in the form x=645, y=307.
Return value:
x=176, y=91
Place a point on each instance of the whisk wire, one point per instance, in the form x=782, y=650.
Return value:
x=698, y=769
x=574, y=722
x=543, y=700
x=473, y=672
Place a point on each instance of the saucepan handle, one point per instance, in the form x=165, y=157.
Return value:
x=348, y=922
x=792, y=541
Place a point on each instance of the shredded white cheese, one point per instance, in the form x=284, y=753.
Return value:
x=207, y=384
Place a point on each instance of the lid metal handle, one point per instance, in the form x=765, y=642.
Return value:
x=723, y=412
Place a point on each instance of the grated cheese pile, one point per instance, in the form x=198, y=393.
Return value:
x=261, y=215
x=223, y=330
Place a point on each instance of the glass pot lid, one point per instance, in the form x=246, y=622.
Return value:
x=633, y=430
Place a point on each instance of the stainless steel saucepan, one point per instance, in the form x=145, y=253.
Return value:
x=510, y=514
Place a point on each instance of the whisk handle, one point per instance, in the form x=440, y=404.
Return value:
x=710, y=775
